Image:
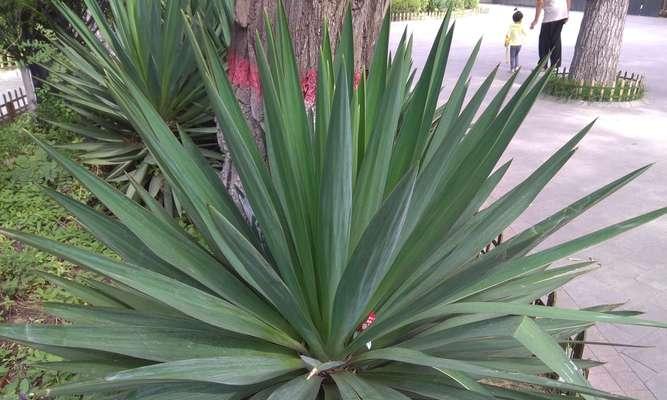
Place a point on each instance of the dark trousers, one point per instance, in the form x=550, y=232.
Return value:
x=514, y=56
x=550, y=41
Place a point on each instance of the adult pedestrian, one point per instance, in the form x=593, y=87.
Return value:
x=556, y=13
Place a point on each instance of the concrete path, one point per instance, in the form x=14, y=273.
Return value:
x=627, y=136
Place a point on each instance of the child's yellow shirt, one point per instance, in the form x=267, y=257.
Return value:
x=515, y=35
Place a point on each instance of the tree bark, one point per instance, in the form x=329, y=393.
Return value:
x=599, y=43
x=305, y=21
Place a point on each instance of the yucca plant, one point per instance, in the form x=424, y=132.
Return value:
x=364, y=278
x=147, y=41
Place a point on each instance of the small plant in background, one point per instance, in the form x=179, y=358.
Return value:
x=363, y=277
x=146, y=40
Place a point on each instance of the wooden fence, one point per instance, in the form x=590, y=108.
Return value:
x=415, y=15
x=13, y=104
x=626, y=87
x=419, y=15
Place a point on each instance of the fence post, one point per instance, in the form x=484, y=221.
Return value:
x=21, y=99
x=11, y=110
x=622, y=93
x=4, y=101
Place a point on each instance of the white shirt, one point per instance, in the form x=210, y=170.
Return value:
x=555, y=10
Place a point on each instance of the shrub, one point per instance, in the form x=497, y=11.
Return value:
x=431, y=5
x=436, y=5
x=363, y=277
x=439, y=5
x=25, y=26
x=468, y=4
x=455, y=4
x=408, y=5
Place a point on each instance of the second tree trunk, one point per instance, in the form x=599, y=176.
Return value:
x=599, y=43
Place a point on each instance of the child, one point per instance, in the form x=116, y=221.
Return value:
x=514, y=39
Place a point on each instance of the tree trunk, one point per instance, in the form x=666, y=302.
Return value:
x=599, y=43
x=305, y=21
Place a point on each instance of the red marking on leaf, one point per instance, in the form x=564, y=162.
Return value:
x=367, y=324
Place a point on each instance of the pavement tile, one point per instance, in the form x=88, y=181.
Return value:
x=628, y=380
x=604, y=381
x=641, y=395
x=658, y=385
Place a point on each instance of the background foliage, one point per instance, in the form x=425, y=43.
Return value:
x=26, y=27
x=431, y=5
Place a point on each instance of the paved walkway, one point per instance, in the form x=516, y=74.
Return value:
x=9, y=80
x=626, y=137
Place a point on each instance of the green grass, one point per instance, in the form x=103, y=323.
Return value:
x=24, y=171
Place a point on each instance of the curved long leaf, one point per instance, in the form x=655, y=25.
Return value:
x=231, y=370
x=299, y=388
x=180, y=296
x=418, y=358
x=370, y=262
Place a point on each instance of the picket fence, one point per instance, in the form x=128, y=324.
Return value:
x=13, y=104
x=626, y=87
